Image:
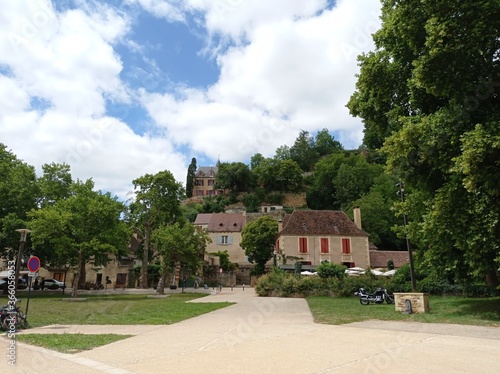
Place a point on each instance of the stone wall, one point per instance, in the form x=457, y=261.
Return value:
x=419, y=301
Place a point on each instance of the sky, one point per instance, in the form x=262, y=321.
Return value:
x=119, y=89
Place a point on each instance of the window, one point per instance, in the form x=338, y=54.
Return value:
x=211, y=182
x=199, y=193
x=346, y=246
x=303, y=245
x=224, y=240
x=121, y=278
x=324, y=245
x=199, y=182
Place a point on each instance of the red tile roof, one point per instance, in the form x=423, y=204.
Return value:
x=226, y=222
x=203, y=218
x=378, y=259
x=320, y=222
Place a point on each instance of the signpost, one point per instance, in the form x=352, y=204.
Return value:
x=33, y=266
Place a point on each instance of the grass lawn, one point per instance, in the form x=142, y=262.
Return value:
x=69, y=343
x=115, y=309
x=443, y=309
x=105, y=310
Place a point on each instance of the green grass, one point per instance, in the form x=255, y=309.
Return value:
x=443, y=309
x=116, y=310
x=105, y=310
x=69, y=343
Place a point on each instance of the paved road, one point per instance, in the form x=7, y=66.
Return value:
x=273, y=335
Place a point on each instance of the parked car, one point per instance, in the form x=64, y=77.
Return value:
x=53, y=284
x=21, y=283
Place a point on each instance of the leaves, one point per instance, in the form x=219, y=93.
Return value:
x=258, y=241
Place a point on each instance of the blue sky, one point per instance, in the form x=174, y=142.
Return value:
x=118, y=89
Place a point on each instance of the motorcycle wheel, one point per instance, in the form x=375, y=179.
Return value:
x=364, y=301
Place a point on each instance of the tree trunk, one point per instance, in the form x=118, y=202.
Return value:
x=76, y=279
x=145, y=256
x=160, y=288
x=82, y=273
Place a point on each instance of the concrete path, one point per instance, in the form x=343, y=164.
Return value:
x=273, y=335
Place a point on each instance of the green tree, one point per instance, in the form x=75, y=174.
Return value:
x=83, y=228
x=156, y=204
x=191, y=174
x=235, y=177
x=377, y=214
x=179, y=244
x=258, y=241
x=19, y=194
x=428, y=94
x=354, y=179
x=303, y=151
x=283, y=153
x=55, y=183
x=326, y=144
x=255, y=161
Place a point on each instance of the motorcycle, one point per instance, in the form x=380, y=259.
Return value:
x=376, y=297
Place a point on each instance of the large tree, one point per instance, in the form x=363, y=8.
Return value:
x=429, y=95
x=234, y=177
x=258, y=241
x=83, y=228
x=19, y=193
x=156, y=204
x=179, y=244
x=304, y=152
x=55, y=183
x=326, y=144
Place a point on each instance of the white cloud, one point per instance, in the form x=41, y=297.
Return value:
x=298, y=68
x=290, y=66
x=171, y=10
x=67, y=60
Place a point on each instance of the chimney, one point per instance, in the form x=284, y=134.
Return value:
x=280, y=225
x=357, y=217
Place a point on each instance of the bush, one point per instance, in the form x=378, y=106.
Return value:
x=436, y=285
x=331, y=270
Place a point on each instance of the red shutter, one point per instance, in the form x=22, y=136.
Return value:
x=303, y=245
x=346, y=246
x=324, y=245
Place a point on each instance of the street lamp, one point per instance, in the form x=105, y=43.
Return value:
x=24, y=234
x=408, y=247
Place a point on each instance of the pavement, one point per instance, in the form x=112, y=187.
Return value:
x=269, y=335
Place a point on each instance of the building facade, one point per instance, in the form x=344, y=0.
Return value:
x=315, y=236
x=204, y=182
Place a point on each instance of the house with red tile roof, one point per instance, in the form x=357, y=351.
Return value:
x=324, y=235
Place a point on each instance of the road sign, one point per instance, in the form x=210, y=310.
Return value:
x=33, y=264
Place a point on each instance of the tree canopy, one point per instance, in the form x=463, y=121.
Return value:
x=428, y=97
x=84, y=228
x=258, y=241
x=156, y=204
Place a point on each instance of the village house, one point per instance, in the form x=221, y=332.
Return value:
x=315, y=236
